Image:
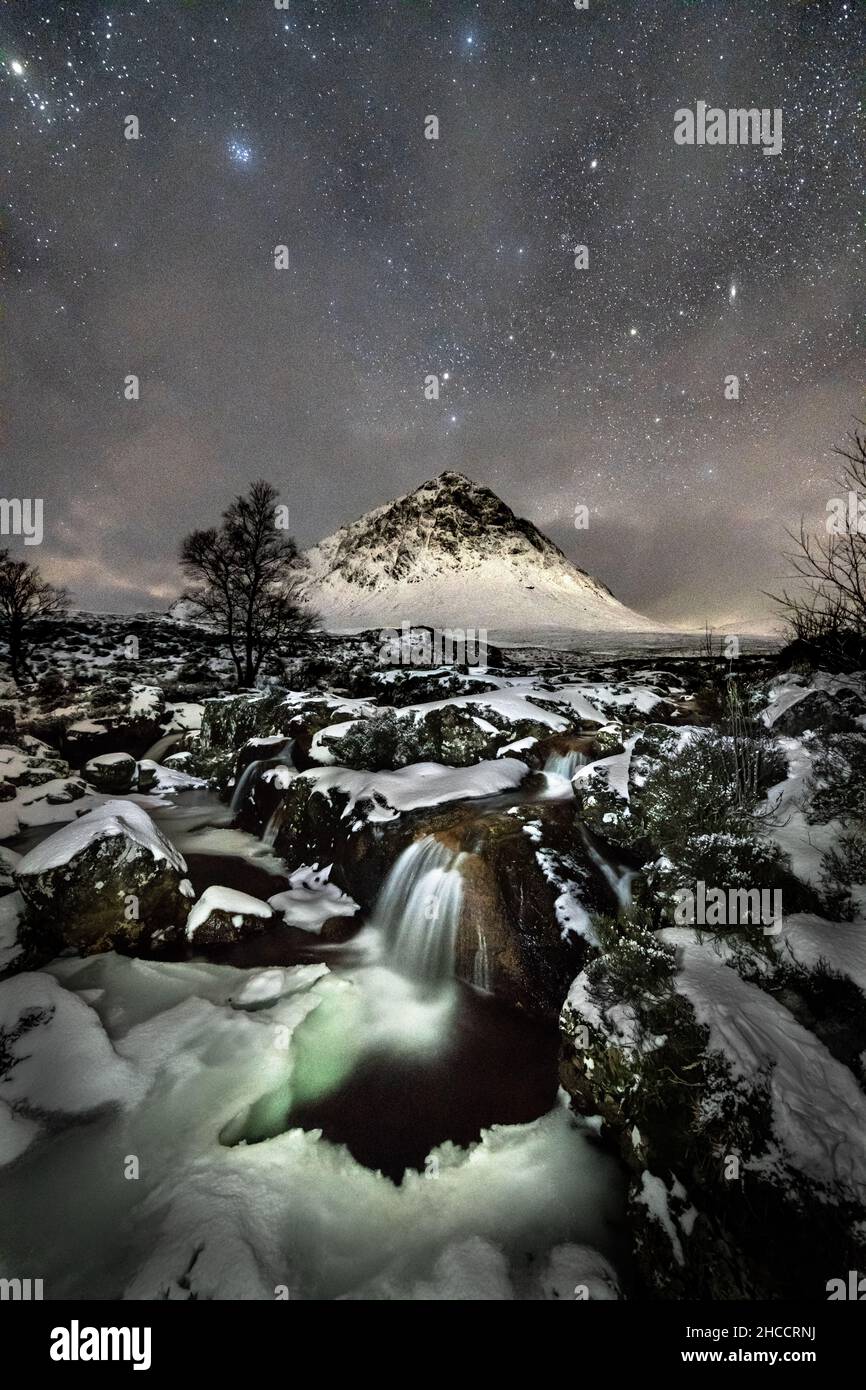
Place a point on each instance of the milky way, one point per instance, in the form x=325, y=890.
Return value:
x=559, y=387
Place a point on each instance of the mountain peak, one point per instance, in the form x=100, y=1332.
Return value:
x=452, y=553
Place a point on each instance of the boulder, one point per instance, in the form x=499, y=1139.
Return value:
x=109, y=880
x=28, y=762
x=818, y=710
x=223, y=915
x=111, y=773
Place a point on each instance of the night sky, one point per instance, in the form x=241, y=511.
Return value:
x=305, y=127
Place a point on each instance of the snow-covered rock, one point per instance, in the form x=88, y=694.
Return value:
x=112, y=773
x=108, y=879
x=311, y=899
x=223, y=915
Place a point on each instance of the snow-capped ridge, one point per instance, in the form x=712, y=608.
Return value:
x=452, y=554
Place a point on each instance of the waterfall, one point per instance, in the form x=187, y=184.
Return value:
x=565, y=764
x=619, y=878
x=418, y=911
x=481, y=962
x=250, y=774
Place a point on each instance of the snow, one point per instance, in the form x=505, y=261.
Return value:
x=818, y=1109
x=595, y=701
x=841, y=946
x=509, y=704
x=805, y=844
x=420, y=784
x=185, y=716
x=112, y=818
x=789, y=689
x=571, y=914
x=520, y=745
x=66, y=1064
x=145, y=702
x=654, y=1196
x=228, y=900
x=11, y=907
x=109, y=760
x=311, y=899
x=503, y=578
x=615, y=769
x=189, y=1050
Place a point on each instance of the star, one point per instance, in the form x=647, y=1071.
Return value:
x=239, y=153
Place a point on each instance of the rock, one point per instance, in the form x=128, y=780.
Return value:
x=223, y=915
x=112, y=773
x=128, y=717
x=818, y=709
x=30, y=763
x=109, y=880
x=530, y=886
x=600, y=791
x=8, y=862
x=146, y=775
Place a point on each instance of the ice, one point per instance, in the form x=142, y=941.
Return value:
x=65, y=1063
x=187, y=1050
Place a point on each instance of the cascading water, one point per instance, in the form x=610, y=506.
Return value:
x=418, y=911
x=565, y=764
x=619, y=877
x=481, y=963
x=281, y=751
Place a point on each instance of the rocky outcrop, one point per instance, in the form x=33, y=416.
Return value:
x=124, y=716
x=529, y=889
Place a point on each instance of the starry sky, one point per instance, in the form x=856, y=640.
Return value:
x=262, y=126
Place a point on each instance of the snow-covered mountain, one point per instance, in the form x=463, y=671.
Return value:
x=451, y=554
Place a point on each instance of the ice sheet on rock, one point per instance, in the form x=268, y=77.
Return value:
x=112, y=818
x=17, y=1133
x=223, y=840
x=170, y=779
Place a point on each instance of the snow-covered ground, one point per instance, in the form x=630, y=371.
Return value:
x=169, y=1059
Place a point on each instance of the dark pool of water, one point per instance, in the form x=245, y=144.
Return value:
x=497, y=1067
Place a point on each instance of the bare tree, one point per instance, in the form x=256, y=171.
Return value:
x=832, y=565
x=244, y=580
x=25, y=600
